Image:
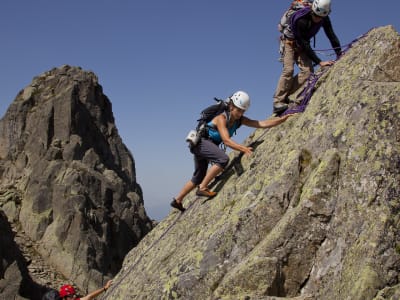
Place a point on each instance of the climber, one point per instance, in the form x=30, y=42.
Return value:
x=68, y=292
x=219, y=130
x=51, y=294
x=304, y=24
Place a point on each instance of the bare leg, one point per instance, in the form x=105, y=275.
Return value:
x=211, y=174
x=187, y=188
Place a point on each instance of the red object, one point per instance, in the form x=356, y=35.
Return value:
x=67, y=290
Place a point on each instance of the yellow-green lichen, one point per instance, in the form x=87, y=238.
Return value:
x=366, y=284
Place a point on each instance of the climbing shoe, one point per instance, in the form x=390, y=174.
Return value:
x=177, y=205
x=279, y=108
x=205, y=193
x=287, y=100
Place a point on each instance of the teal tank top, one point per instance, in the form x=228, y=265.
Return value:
x=214, y=134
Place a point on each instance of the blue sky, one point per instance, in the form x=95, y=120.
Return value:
x=161, y=61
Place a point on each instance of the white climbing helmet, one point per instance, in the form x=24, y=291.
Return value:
x=241, y=100
x=321, y=8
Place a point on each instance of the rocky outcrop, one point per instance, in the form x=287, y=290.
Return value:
x=15, y=282
x=67, y=179
x=315, y=214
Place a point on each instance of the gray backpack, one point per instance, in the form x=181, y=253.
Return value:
x=284, y=24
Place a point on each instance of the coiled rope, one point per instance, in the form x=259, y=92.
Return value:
x=312, y=80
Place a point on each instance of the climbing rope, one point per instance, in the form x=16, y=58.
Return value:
x=345, y=47
x=312, y=80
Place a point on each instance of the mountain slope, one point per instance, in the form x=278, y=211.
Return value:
x=315, y=213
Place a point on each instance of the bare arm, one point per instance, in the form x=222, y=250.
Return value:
x=265, y=123
x=220, y=122
x=95, y=293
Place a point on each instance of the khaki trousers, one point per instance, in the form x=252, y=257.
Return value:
x=288, y=84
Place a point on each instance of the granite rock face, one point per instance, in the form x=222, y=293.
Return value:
x=68, y=179
x=315, y=213
x=15, y=282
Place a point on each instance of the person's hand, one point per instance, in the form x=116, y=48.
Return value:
x=288, y=116
x=108, y=284
x=326, y=63
x=248, y=150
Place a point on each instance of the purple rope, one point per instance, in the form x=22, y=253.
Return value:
x=346, y=46
x=306, y=94
x=309, y=89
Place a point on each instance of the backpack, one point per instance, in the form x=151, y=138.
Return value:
x=210, y=112
x=312, y=30
x=284, y=24
x=206, y=115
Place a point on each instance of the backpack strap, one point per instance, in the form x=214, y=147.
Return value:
x=238, y=122
x=299, y=14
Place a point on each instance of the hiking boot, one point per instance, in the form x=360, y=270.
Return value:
x=177, y=205
x=279, y=108
x=205, y=193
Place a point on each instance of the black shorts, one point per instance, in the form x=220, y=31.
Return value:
x=206, y=152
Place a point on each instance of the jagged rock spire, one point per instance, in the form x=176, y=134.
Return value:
x=74, y=180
